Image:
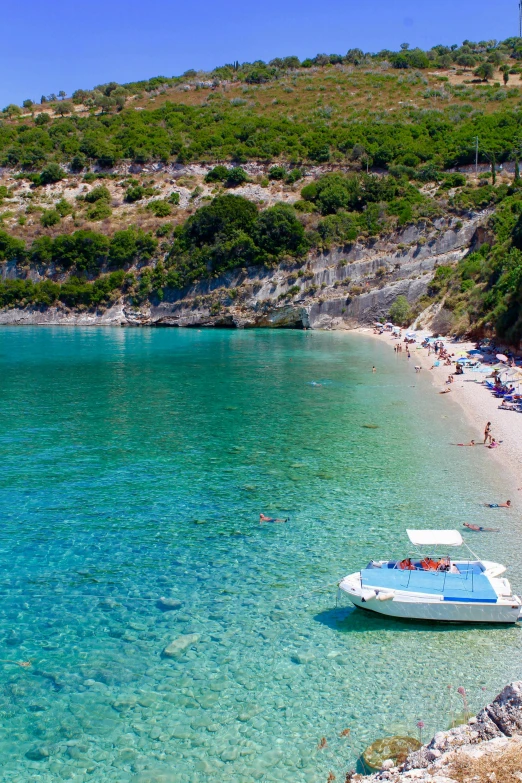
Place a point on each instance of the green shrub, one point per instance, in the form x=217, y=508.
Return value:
x=453, y=180
x=131, y=245
x=99, y=210
x=236, y=176
x=174, y=198
x=11, y=248
x=51, y=174
x=217, y=174
x=294, y=176
x=277, y=172
x=135, y=193
x=50, y=217
x=64, y=207
x=400, y=311
x=99, y=193
x=159, y=208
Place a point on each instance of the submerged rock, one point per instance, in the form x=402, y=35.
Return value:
x=394, y=749
x=169, y=604
x=38, y=754
x=179, y=645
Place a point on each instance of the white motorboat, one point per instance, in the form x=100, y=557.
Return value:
x=433, y=587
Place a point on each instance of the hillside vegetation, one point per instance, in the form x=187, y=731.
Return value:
x=142, y=188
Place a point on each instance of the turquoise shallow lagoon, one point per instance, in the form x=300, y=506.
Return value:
x=134, y=465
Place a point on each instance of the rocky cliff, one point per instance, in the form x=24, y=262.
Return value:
x=334, y=289
x=487, y=748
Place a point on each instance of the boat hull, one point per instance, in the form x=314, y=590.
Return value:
x=440, y=611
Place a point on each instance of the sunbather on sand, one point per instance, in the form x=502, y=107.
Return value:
x=471, y=443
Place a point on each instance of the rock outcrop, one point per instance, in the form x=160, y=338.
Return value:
x=335, y=289
x=494, y=735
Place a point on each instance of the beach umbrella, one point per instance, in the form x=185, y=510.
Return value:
x=501, y=357
x=378, y=323
x=389, y=324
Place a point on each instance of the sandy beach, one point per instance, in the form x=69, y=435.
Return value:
x=478, y=405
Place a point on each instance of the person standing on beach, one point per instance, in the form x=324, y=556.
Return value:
x=487, y=432
x=374, y=369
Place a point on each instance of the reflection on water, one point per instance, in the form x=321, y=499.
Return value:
x=135, y=464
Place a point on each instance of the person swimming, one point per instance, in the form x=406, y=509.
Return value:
x=263, y=518
x=507, y=504
x=479, y=529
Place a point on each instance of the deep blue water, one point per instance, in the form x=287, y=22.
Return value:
x=134, y=465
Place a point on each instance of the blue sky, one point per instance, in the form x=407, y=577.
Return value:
x=52, y=45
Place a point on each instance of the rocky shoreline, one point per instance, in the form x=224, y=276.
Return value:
x=487, y=748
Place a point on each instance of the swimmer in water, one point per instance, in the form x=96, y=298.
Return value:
x=263, y=518
x=507, y=504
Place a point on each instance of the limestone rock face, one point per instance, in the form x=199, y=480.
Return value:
x=335, y=289
x=492, y=731
x=179, y=645
x=502, y=716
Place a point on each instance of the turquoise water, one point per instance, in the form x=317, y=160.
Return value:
x=134, y=466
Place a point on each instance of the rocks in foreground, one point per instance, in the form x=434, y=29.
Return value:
x=489, y=744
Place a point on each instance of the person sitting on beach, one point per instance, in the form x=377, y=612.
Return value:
x=507, y=504
x=407, y=565
x=493, y=444
x=263, y=518
x=445, y=391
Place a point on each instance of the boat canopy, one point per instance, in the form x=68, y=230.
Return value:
x=435, y=537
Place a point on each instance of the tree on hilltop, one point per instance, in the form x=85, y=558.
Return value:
x=485, y=71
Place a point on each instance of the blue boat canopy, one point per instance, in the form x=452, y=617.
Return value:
x=468, y=585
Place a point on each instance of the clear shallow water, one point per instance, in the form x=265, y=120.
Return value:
x=134, y=465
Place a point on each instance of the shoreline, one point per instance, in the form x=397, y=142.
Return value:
x=477, y=405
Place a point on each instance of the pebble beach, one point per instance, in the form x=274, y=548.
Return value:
x=478, y=406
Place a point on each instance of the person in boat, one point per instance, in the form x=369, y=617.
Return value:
x=407, y=565
x=430, y=565
x=507, y=504
x=263, y=518
x=444, y=564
